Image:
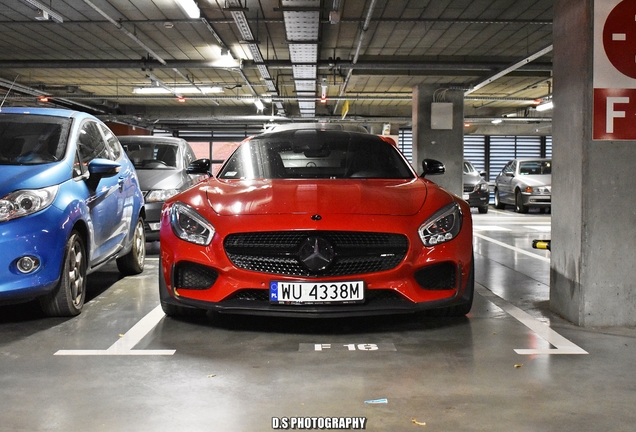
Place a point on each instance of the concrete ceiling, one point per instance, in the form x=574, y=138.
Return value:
x=364, y=54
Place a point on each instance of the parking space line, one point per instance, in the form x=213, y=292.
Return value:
x=516, y=249
x=561, y=344
x=124, y=346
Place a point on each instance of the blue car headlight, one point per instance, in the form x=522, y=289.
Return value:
x=25, y=202
x=190, y=226
x=443, y=226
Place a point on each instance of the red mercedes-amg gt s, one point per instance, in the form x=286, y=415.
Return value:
x=316, y=221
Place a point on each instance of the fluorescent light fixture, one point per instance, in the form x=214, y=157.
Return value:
x=177, y=90
x=259, y=104
x=496, y=121
x=545, y=106
x=43, y=11
x=190, y=8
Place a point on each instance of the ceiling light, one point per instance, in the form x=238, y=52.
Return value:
x=545, y=106
x=177, y=90
x=259, y=104
x=44, y=12
x=190, y=8
x=496, y=121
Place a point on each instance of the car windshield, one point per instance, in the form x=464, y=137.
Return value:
x=468, y=168
x=303, y=154
x=535, y=167
x=32, y=139
x=151, y=155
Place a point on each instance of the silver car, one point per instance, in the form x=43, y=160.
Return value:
x=162, y=168
x=525, y=183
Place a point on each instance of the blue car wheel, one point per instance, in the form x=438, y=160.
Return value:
x=133, y=262
x=67, y=299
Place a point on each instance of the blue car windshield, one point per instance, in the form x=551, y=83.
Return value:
x=302, y=154
x=32, y=139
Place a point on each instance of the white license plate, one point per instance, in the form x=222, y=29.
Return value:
x=316, y=292
x=466, y=197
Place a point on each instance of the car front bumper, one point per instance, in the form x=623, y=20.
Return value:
x=533, y=200
x=40, y=235
x=398, y=290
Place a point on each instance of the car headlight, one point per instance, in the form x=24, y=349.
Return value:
x=190, y=226
x=25, y=202
x=443, y=226
x=161, y=195
x=482, y=187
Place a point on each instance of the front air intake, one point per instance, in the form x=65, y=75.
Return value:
x=194, y=276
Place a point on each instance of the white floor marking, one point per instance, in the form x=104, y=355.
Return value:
x=124, y=346
x=561, y=344
x=542, y=228
x=490, y=228
x=516, y=249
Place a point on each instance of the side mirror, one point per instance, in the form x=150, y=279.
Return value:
x=483, y=174
x=509, y=174
x=432, y=167
x=200, y=166
x=103, y=167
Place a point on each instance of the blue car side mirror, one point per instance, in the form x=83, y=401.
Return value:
x=103, y=167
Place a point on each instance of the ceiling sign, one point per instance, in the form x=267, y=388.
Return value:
x=614, y=70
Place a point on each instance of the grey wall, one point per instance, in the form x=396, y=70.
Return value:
x=446, y=146
x=593, y=249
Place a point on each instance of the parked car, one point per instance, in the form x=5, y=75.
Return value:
x=476, y=190
x=69, y=203
x=161, y=164
x=312, y=221
x=525, y=183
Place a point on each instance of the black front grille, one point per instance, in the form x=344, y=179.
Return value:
x=468, y=188
x=278, y=252
x=193, y=276
x=437, y=276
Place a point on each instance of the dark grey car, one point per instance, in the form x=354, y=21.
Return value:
x=475, y=188
x=161, y=164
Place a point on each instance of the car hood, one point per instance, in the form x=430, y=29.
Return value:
x=17, y=177
x=536, y=180
x=472, y=179
x=159, y=179
x=372, y=197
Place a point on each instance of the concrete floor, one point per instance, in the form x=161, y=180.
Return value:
x=122, y=366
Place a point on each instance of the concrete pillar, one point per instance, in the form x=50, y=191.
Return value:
x=592, y=281
x=440, y=137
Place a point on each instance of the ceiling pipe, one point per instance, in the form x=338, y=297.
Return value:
x=363, y=32
x=509, y=69
x=126, y=32
x=248, y=98
x=277, y=64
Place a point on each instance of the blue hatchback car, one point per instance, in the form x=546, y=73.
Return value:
x=69, y=203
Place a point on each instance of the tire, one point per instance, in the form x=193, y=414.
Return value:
x=498, y=204
x=483, y=209
x=463, y=308
x=519, y=206
x=67, y=299
x=133, y=262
